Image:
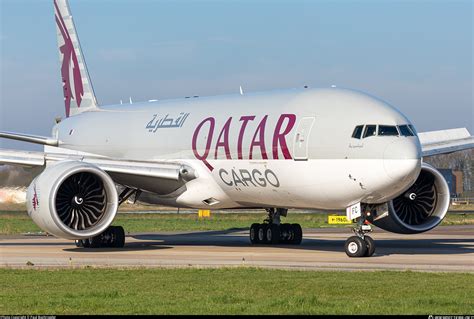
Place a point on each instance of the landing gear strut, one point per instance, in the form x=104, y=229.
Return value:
x=273, y=232
x=114, y=236
x=361, y=245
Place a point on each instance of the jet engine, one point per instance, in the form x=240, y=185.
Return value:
x=72, y=200
x=420, y=208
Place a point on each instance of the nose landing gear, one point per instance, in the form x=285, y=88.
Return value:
x=361, y=245
x=272, y=232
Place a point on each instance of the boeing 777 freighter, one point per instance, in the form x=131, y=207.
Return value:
x=326, y=148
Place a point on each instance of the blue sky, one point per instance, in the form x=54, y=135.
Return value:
x=416, y=55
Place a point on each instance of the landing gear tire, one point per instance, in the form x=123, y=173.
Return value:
x=370, y=246
x=273, y=234
x=362, y=245
x=254, y=234
x=114, y=236
x=86, y=243
x=355, y=247
x=79, y=243
x=261, y=234
x=119, y=240
x=95, y=242
x=286, y=233
x=297, y=234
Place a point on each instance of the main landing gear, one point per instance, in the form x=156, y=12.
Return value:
x=272, y=232
x=114, y=236
x=361, y=245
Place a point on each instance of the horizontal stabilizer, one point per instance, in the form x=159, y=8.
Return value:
x=29, y=138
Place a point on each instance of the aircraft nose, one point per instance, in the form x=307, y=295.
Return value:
x=402, y=159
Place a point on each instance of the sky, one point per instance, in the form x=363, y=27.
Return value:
x=416, y=55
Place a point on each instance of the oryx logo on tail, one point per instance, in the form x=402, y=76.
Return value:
x=69, y=56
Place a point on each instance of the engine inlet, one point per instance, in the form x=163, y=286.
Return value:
x=81, y=201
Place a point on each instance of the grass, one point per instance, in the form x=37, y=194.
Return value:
x=233, y=291
x=458, y=219
x=14, y=222
x=217, y=221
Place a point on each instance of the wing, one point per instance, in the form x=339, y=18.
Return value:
x=162, y=176
x=445, y=141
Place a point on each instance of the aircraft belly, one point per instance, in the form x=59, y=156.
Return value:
x=324, y=184
x=149, y=184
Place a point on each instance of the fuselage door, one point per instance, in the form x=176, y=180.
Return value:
x=300, y=146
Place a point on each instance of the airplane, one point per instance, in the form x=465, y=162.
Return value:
x=323, y=148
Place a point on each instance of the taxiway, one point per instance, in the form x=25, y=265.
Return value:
x=446, y=248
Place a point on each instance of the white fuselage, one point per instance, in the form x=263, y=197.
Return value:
x=290, y=148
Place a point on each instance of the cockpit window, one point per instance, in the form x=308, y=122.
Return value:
x=405, y=130
x=370, y=130
x=412, y=128
x=358, y=131
x=388, y=130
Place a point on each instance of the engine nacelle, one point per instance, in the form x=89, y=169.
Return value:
x=72, y=200
x=420, y=208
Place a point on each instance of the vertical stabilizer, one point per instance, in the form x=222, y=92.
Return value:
x=77, y=87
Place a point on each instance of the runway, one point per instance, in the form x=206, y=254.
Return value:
x=448, y=248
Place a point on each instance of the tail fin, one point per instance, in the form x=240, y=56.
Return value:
x=77, y=87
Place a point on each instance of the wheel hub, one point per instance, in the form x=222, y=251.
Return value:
x=353, y=247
